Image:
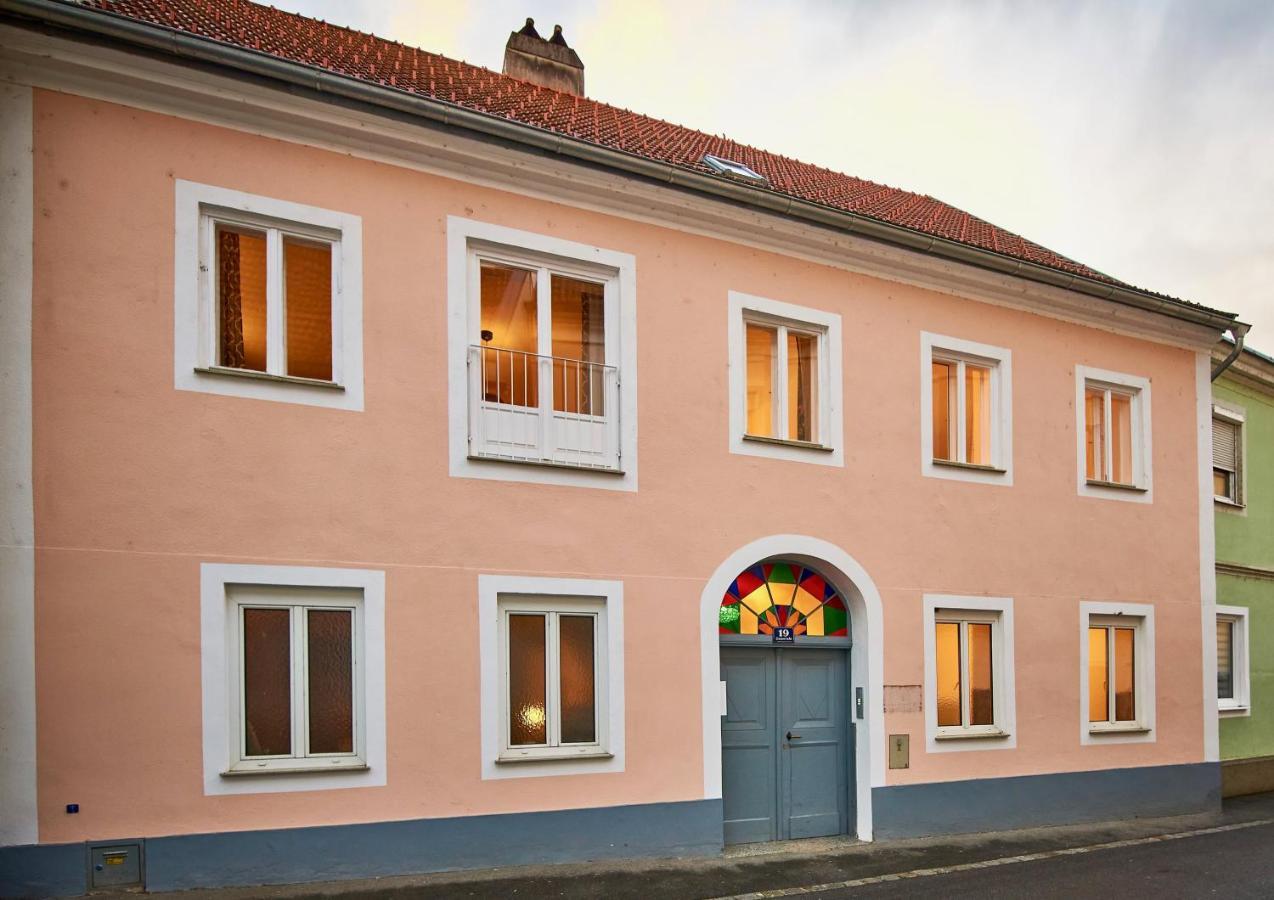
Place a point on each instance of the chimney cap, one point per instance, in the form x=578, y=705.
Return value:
x=529, y=28
x=557, y=37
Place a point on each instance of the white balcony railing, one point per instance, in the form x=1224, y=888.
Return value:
x=543, y=409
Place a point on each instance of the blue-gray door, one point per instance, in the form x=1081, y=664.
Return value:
x=784, y=746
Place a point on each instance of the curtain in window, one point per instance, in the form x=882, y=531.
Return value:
x=230, y=299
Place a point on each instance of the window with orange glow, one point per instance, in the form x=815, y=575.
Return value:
x=1110, y=435
x=783, y=382
x=551, y=677
x=964, y=653
x=1112, y=674
x=963, y=409
x=274, y=301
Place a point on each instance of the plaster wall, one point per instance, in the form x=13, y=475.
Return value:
x=136, y=484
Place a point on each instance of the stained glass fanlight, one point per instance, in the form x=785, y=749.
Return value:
x=781, y=594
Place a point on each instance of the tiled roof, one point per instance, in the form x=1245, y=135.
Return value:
x=393, y=65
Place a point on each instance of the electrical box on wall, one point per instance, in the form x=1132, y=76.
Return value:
x=899, y=750
x=115, y=866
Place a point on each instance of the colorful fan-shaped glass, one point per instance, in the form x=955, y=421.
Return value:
x=780, y=594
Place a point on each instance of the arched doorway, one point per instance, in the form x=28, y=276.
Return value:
x=843, y=689
x=786, y=730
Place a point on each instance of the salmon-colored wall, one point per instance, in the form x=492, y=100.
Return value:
x=136, y=484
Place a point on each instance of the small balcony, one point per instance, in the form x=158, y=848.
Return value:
x=549, y=410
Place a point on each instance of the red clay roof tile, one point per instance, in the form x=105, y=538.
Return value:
x=364, y=56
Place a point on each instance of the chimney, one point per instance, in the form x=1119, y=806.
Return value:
x=551, y=64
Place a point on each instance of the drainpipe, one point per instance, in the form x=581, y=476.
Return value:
x=1238, y=331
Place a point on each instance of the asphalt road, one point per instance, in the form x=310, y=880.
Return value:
x=1233, y=865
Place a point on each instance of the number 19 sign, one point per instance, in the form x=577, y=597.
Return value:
x=783, y=635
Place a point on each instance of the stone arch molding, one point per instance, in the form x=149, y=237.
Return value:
x=866, y=618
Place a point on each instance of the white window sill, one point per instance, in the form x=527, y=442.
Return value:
x=1234, y=710
x=545, y=463
x=973, y=467
x=1226, y=501
x=296, y=770
x=971, y=735
x=783, y=442
x=266, y=376
x=554, y=757
x=1115, y=486
x=1128, y=728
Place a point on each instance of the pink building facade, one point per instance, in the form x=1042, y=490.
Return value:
x=404, y=607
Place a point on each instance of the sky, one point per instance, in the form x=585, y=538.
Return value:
x=1136, y=136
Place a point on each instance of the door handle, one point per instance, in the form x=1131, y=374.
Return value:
x=793, y=737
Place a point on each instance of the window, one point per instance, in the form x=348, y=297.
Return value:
x=966, y=408
x=268, y=299
x=968, y=671
x=1232, y=675
x=294, y=684
x=543, y=329
x=552, y=672
x=774, y=595
x=299, y=693
x=1118, y=667
x=784, y=381
x=1227, y=456
x=732, y=169
x=1114, y=433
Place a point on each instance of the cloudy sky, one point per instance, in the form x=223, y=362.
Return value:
x=1134, y=135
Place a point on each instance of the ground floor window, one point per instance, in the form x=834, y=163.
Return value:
x=1232, y=660
x=1117, y=668
x=968, y=671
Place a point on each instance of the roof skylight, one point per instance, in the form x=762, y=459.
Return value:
x=732, y=169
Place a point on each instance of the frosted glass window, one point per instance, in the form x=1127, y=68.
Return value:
x=330, y=665
x=298, y=686
x=1098, y=676
x=947, y=646
x=307, y=303
x=577, y=679
x=964, y=667
x=528, y=694
x=267, y=687
x=551, y=678
x=963, y=401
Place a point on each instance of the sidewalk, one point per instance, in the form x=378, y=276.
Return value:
x=746, y=869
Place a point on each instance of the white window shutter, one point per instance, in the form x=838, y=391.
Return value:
x=1225, y=445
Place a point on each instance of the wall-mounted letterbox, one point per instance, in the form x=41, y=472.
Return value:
x=115, y=865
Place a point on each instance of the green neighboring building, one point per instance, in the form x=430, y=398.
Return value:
x=1243, y=482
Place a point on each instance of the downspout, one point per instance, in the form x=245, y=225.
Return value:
x=1239, y=330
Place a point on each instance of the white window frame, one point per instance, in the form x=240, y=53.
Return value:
x=498, y=597
x=829, y=449
x=467, y=240
x=1235, y=416
x=1138, y=388
x=998, y=612
x=1241, y=703
x=224, y=590
x=943, y=348
x=199, y=208
x=1141, y=618
x=552, y=608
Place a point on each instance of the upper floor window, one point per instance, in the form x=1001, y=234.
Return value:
x=1117, y=669
x=785, y=392
x=966, y=408
x=1113, y=417
x=544, y=328
x=268, y=299
x=1227, y=456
